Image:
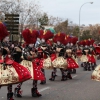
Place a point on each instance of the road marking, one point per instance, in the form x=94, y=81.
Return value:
x=74, y=76
x=44, y=89
x=49, y=87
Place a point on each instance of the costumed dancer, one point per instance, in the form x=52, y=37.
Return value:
x=97, y=51
x=31, y=61
x=92, y=55
x=16, y=56
x=69, y=56
x=10, y=71
x=96, y=74
x=73, y=42
x=84, y=57
x=43, y=50
x=57, y=57
x=79, y=51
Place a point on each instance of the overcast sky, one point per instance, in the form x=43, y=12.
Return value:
x=69, y=9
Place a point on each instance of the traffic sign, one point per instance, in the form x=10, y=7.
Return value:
x=12, y=22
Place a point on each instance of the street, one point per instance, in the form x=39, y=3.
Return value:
x=81, y=87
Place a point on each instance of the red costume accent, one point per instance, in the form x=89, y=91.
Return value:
x=97, y=48
x=49, y=42
x=19, y=75
x=59, y=37
x=73, y=40
x=36, y=33
x=79, y=53
x=38, y=74
x=91, y=59
x=53, y=57
x=71, y=63
x=66, y=40
x=3, y=31
x=41, y=58
x=45, y=35
x=29, y=36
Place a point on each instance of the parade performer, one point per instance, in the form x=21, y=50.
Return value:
x=96, y=74
x=70, y=56
x=79, y=52
x=16, y=56
x=85, y=57
x=58, y=57
x=97, y=51
x=79, y=49
x=10, y=71
x=31, y=61
x=92, y=55
x=73, y=42
x=43, y=50
x=88, y=58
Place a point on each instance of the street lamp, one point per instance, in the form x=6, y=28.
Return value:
x=80, y=17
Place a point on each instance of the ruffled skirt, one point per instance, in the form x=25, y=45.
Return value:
x=84, y=58
x=47, y=64
x=72, y=64
x=34, y=68
x=91, y=59
x=13, y=73
x=59, y=62
x=96, y=74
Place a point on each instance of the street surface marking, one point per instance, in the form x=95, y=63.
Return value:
x=49, y=87
x=74, y=76
x=44, y=89
x=2, y=97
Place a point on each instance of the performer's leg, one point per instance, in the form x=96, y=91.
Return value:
x=89, y=66
x=69, y=74
x=17, y=91
x=53, y=74
x=10, y=93
x=34, y=90
x=82, y=64
x=64, y=77
x=74, y=71
x=85, y=66
x=93, y=66
x=44, y=81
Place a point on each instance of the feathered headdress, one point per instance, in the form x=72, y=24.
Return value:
x=60, y=37
x=29, y=36
x=3, y=31
x=45, y=35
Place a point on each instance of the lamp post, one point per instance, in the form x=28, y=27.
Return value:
x=80, y=17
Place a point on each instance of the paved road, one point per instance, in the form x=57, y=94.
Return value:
x=81, y=87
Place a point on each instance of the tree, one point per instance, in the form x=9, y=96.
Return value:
x=54, y=20
x=86, y=35
x=95, y=32
x=75, y=31
x=62, y=27
x=28, y=13
x=44, y=19
x=10, y=6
